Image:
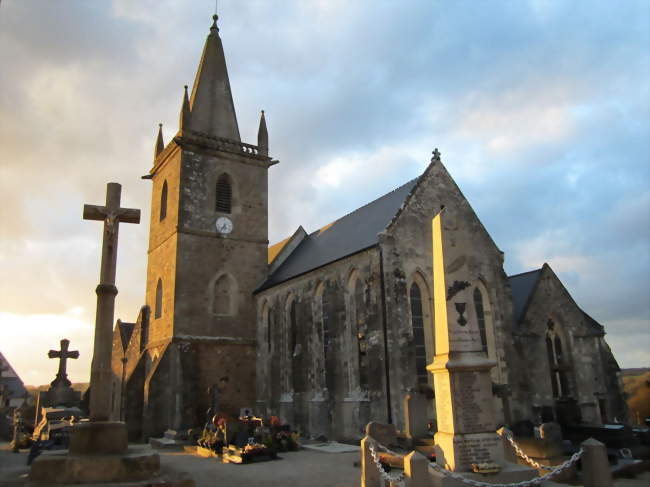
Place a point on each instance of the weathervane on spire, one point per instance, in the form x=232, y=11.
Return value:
x=215, y=17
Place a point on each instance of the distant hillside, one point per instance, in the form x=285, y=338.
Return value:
x=637, y=371
x=636, y=384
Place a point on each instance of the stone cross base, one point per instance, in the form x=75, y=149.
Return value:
x=510, y=473
x=98, y=437
x=61, y=467
x=99, y=454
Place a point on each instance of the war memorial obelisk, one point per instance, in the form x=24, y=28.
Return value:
x=461, y=370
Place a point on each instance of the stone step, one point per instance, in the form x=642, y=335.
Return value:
x=167, y=444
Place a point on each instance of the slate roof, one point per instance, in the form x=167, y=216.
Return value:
x=597, y=327
x=15, y=386
x=348, y=235
x=11, y=380
x=522, y=286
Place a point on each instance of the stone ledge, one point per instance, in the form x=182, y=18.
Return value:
x=167, y=444
x=60, y=468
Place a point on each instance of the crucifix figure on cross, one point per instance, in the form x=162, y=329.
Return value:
x=63, y=355
x=100, y=373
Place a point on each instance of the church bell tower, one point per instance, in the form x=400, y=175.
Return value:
x=207, y=253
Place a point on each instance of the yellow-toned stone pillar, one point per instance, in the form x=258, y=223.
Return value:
x=461, y=369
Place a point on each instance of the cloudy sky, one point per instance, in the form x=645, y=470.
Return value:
x=541, y=111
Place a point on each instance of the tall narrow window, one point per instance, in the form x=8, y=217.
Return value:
x=326, y=305
x=295, y=352
x=293, y=332
x=224, y=194
x=417, y=323
x=551, y=364
x=221, y=304
x=267, y=320
x=480, y=317
x=558, y=363
x=561, y=365
x=159, y=296
x=362, y=339
x=163, y=202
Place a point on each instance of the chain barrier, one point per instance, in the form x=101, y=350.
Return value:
x=520, y=453
x=527, y=483
x=397, y=480
x=553, y=471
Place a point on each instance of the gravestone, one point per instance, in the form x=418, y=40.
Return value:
x=415, y=416
x=551, y=432
x=466, y=418
x=60, y=392
x=384, y=434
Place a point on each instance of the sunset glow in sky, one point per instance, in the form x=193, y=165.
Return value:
x=541, y=110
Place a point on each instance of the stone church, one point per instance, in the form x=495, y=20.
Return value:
x=329, y=329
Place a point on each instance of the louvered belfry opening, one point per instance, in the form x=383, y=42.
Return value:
x=224, y=194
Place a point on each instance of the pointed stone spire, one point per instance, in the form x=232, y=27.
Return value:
x=185, y=117
x=263, y=137
x=160, y=144
x=211, y=105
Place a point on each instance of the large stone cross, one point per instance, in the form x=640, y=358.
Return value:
x=112, y=215
x=100, y=373
x=63, y=355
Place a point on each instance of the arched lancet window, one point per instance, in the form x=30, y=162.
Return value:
x=224, y=194
x=159, y=296
x=293, y=349
x=558, y=364
x=326, y=305
x=163, y=201
x=417, y=323
x=222, y=298
x=293, y=332
x=361, y=332
x=551, y=362
x=266, y=325
x=480, y=317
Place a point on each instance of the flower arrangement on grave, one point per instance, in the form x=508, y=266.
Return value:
x=285, y=439
x=213, y=436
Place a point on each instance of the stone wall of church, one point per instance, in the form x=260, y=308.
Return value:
x=407, y=260
x=161, y=269
x=562, y=371
x=216, y=273
x=320, y=349
x=163, y=241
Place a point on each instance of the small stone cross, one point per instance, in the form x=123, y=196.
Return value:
x=63, y=355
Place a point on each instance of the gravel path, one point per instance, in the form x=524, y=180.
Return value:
x=292, y=469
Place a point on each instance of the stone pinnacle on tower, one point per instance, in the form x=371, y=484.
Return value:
x=211, y=104
x=160, y=144
x=185, y=117
x=263, y=137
